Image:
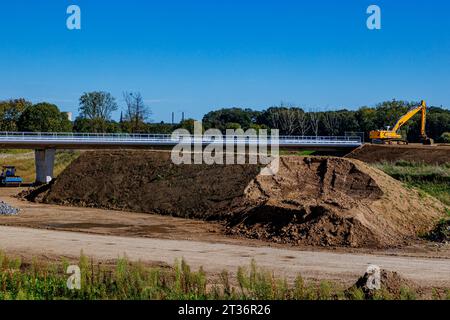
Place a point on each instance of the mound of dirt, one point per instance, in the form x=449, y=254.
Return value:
x=333, y=202
x=311, y=200
x=145, y=181
x=391, y=285
x=372, y=153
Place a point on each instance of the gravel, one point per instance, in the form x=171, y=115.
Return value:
x=7, y=210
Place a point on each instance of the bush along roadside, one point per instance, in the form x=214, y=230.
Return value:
x=441, y=233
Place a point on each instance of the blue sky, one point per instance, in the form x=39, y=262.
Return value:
x=194, y=56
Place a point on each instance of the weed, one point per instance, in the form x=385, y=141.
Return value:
x=427, y=179
x=355, y=293
x=325, y=291
x=24, y=162
x=407, y=294
x=40, y=280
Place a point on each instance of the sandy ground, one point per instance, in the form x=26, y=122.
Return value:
x=55, y=231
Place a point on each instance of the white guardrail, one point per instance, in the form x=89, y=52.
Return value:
x=163, y=139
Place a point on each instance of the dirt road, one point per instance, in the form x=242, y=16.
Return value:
x=215, y=257
x=51, y=231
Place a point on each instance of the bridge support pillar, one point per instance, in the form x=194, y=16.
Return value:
x=44, y=161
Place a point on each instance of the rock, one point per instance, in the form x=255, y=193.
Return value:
x=7, y=210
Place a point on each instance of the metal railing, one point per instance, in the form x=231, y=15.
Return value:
x=99, y=138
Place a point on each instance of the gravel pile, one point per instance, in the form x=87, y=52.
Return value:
x=7, y=210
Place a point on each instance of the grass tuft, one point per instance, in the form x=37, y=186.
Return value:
x=127, y=280
x=431, y=180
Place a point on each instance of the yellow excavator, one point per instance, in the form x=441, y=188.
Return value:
x=390, y=136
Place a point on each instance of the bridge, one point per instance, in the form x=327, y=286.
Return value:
x=45, y=144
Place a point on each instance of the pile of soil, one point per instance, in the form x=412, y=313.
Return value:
x=333, y=202
x=311, y=200
x=147, y=181
x=391, y=285
x=372, y=153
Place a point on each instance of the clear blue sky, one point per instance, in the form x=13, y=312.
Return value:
x=195, y=56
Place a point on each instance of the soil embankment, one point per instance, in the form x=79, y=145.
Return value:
x=372, y=153
x=311, y=200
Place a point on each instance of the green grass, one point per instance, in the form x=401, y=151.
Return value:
x=24, y=162
x=297, y=153
x=431, y=179
x=126, y=280
x=14, y=151
x=441, y=232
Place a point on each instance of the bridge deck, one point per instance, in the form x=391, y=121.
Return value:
x=90, y=140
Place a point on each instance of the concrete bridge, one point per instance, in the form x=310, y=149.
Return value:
x=45, y=144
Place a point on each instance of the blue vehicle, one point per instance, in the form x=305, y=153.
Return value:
x=8, y=177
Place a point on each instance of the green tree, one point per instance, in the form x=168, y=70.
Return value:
x=162, y=128
x=220, y=118
x=438, y=122
x=87, y=125
x=44, y=117
x=97, y=107
x=388, y=112
x=258, y=127
x=10, y=112
x=286, y=118
x=187, y=124
x=82, y=125
x=233, y=125
x=349, y=122
x=445, y=137
x=366, y=119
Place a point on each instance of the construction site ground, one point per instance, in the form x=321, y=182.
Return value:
x=52, y=232
x=373, y=153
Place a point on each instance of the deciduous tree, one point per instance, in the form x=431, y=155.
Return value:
x=136, y=112
x=97, y=107
x=44, y=117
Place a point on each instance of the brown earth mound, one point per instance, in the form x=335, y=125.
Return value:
x=145, y=181
x=372, y=153
x=333, y=202
x=311, y=200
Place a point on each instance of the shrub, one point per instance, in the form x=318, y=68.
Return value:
x=445, y=137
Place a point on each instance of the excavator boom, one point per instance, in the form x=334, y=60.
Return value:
x=411, y=113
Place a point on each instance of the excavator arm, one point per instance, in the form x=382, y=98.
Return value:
x=411, y=113
x=423, y=121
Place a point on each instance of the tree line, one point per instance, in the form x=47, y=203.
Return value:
x=95, y=115
x=96, y=108
x=294, y=120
